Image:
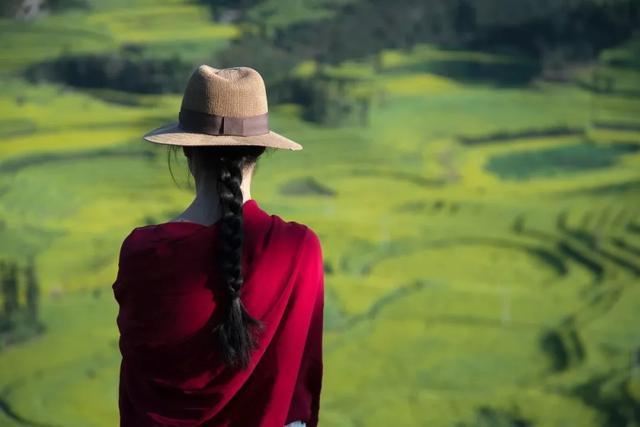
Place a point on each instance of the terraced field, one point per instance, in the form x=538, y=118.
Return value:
x=482, y=240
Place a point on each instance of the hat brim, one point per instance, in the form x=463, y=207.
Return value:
x=173, y=134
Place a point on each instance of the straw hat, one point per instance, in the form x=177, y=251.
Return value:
x=225, y=106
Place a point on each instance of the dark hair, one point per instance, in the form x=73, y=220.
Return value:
x=235, y=332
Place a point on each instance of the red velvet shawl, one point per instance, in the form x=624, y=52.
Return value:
x=168, y=296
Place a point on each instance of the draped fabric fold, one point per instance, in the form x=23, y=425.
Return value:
x=169, y=299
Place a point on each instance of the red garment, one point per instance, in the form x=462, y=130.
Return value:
x=171, y=373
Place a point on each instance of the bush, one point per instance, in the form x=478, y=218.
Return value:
x=129, y=69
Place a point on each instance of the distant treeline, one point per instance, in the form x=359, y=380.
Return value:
x=357, y=29
x=545, y=34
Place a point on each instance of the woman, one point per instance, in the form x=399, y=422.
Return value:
x=221, y=309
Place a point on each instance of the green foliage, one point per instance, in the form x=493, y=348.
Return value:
x=32, y=292
x=546, y=36
x=489, y=417
x=129, y=69
x=580, y=28
x=584, y=155
x=328, y=100
x=63, y=5
x=18, y=320
x=269, y=16
x=273, y=63
x=240, y=4
x=8, y=7
x=9, y=288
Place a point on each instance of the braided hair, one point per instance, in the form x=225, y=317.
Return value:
x=234, y=333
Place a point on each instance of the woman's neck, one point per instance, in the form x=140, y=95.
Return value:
x=205, y=207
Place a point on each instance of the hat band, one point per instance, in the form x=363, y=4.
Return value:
x=213, y=124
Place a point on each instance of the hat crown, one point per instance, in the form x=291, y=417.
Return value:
x=229, y=92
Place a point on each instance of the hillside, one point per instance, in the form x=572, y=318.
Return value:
x=481, y=230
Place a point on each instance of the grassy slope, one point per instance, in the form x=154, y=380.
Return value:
x=438, y=302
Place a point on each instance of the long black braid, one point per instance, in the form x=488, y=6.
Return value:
x=235, y=331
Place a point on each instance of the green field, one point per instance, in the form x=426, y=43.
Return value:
x=482, y=242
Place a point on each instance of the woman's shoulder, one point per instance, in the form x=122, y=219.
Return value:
x=144, y=238
x=135, y=240
x=302, y=236
x=301, y=231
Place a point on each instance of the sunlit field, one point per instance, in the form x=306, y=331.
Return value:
x=481, y=239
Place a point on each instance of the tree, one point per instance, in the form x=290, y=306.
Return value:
x=33, y=292
x=10, y=288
